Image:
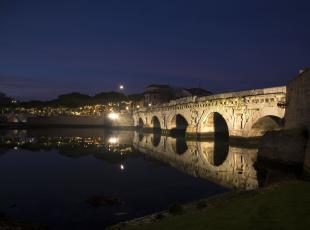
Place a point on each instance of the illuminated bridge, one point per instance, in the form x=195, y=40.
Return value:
x=245, y=113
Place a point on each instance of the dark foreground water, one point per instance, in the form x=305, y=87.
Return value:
x=48, y=176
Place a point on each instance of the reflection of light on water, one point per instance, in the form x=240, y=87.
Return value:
x=122, y=167
x=113, y=140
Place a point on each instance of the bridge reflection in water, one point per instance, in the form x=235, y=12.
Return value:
x=212, y=159
x=220, y=159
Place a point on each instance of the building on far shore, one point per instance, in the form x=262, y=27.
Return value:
x=159, y=94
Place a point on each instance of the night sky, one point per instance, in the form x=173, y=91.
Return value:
x=49, y=47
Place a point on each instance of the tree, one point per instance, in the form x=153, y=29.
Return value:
x=4, y=100
x=106, y=97
x=72, y=100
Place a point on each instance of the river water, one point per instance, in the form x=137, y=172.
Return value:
x=49, y=176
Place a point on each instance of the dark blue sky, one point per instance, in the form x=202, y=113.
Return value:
x=48, y=47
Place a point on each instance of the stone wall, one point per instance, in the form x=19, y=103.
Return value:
x=285, y=146
x=297, y=114
x=307, y=158
x=298, y=97
x=290, y=145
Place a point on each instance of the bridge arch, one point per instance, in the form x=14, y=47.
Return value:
x=179, y=124
x=140, y=123
x=214, y=123
x=265, y=124
x=156, y=124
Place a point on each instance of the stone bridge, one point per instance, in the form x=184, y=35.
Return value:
x=245, y=113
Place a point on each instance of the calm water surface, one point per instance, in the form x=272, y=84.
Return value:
x=48, y=176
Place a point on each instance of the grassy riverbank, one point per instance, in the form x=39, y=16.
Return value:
x=285, y=206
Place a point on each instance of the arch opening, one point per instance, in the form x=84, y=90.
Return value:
x=215, y=125
x=180, y=124
x=156, y=124
x=140, y=124
x=265, y=124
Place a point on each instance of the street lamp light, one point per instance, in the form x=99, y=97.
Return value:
x=121, y=87
x=113, y=140
x=113, y=116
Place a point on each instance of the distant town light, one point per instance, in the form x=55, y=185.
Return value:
x=138, y=106
x=121, y=87
x=150, y=104
x=113, y=140
x=113, y=116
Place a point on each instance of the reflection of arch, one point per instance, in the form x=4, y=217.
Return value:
x=180, y=146
x=266, y=123
x=156, y=124
x=156, y=139
x=179, y=123
x=140, y=136
x=215, y=151
x=215, y=123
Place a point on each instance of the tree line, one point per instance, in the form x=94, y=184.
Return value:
x=74, y=99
